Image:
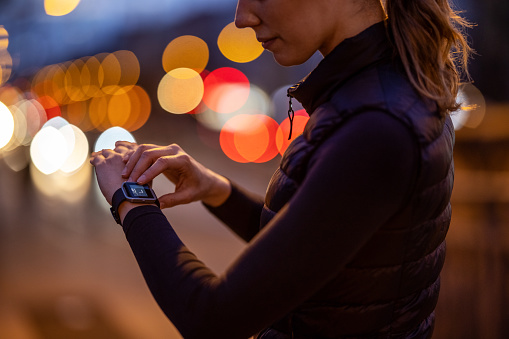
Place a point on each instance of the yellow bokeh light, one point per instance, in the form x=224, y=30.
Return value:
x=77, y=114
x=140, y=108
x=239, y=44
x=89, y=78
x=6, y=125
x=98, y=112
x=180, y=90
x=119, y=70
x=186, y=51
x=10, y=95
x=4, y=38
x=473, y=105
x=119, y=108
x=60, y=7
x=5, y=66
x=72, y=81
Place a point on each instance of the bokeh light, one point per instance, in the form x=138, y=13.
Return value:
x=4, y=38
x=20, y=135
x=186, y=51
x=50, y=106
x=180, y=90
x=119, y=70
x=35, y=115
x=6, y=125
x=226, y=90
x=48, y=150
x=10, y=95
x=59, y=146
x=473, y=107
x=71, y=188
x=239, y=44
x=60, y=7
x=258, y=102
x=108, y=138
x=300, y=120
x=89, y=76
x=5, y=66
x=249, y=138
x=78, y=153
x=17, y=159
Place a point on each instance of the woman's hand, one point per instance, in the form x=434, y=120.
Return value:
x=193, y=181
x=108, y=168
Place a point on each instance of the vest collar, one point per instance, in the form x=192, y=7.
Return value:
x=350, y=57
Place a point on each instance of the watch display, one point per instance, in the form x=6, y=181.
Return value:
x=135, y=192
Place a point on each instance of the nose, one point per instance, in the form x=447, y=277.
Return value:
x=245, y=16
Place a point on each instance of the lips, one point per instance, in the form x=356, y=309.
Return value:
x=267, y=42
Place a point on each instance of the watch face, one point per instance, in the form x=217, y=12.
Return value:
x=138, y=192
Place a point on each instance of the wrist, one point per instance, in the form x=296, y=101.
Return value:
x=219, y=191
x=128, y=197
x=126, y=206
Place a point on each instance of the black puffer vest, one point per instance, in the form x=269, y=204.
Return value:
x=390, y=288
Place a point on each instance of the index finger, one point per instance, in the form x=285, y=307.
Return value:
x=149, y=164
x=132, y=162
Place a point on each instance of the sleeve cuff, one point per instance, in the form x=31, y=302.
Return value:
x=138, y=212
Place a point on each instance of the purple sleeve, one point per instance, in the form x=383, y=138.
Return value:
x=356, y=181
x=240, y=212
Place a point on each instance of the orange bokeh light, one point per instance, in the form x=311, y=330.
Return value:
x=299, y=122
x=249, y=138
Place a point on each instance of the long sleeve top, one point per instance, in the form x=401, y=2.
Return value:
x=357, y=179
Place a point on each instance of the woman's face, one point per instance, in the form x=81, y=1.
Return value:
x=293, y=30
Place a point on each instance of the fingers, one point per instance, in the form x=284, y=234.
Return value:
x=174, y=199
x=131, y=159
x=144, y=158
x=152, y=163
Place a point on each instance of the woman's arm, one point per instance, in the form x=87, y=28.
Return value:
x=359, y=178
x=240, y=212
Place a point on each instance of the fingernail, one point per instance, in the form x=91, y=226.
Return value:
x=124, y=171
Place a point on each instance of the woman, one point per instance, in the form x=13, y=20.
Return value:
x=349, y=240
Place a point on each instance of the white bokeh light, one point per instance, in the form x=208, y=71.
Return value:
x=48, y=150
x=6, y=125
x=56, y=122
x=109, y=137
x=78, y=153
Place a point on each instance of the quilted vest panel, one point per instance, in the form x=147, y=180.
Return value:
x=392, y=293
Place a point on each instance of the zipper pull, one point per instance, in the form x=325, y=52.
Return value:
x=291, y=115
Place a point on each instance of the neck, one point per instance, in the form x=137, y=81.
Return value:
x=358, y=20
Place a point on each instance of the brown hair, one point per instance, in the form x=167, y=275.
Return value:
x=429, y=38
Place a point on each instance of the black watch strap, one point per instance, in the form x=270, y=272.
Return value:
x=116, y=200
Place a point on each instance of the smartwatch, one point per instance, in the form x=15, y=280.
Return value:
x=132, y=192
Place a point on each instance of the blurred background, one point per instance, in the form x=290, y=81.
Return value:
x=77, y=75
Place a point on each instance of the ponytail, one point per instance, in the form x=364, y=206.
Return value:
x=428, y=36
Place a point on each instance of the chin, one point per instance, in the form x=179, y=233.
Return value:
x=290, y=60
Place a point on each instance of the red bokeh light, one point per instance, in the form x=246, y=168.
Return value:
x=226, y=90
x=50, y=106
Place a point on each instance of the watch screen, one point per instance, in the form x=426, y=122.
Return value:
x=138, y=191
